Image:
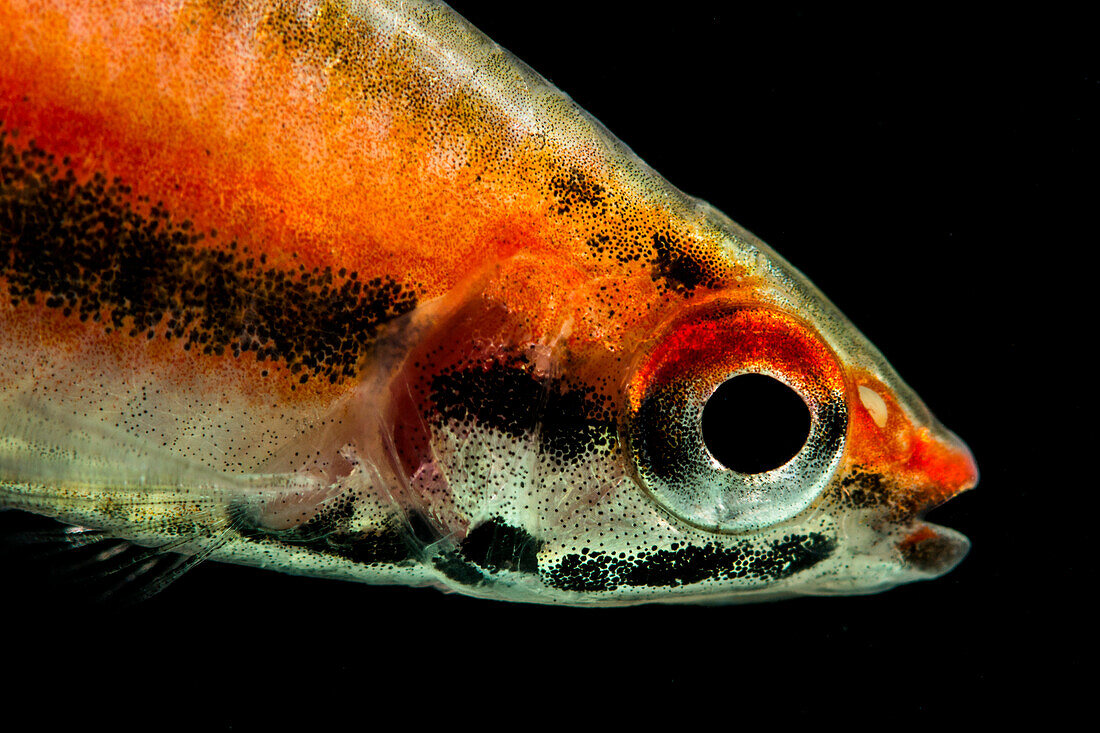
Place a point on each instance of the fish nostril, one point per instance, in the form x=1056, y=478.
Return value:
x=874, y=404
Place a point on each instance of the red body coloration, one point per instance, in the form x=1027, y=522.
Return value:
x=923, y=470
x=358, y=248
x=229, y=119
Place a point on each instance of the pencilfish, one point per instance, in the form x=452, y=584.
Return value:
x=344, y=289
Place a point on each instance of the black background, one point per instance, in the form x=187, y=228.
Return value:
x=930, y=172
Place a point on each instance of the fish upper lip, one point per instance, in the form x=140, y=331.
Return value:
x=946, y=467
x=942, y=468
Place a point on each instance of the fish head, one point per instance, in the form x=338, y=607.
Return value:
x=765, y=432
x=752, y=444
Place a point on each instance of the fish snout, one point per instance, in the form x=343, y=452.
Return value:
x=941, y=466
x=900, y=454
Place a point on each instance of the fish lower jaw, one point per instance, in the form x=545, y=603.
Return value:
x=933, y=550
x=872, y=560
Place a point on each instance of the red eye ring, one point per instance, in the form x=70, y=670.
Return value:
x=666, y=394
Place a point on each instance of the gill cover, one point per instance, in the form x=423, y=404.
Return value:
x=689, y=359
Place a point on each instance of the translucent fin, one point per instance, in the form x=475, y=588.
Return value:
x=91, y=565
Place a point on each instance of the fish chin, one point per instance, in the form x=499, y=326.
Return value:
x=873, y=560
x=934, y=550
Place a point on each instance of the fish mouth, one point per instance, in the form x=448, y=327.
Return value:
x=948, y=467
x=939, y=469
x=899, y=490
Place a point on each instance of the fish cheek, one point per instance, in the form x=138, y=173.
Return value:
x=486, y=428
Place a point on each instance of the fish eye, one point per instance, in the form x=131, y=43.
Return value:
x=736, y=417
x=754, y=423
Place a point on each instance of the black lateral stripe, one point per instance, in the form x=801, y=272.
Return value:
x=82, y=248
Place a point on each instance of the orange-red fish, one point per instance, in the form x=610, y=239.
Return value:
x=344, y=289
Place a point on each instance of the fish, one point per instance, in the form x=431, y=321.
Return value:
x=344, y=289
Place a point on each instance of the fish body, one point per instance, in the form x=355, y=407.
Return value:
x=344, y=289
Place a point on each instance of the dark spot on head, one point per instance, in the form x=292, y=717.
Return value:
x=864, y=489
x=510, y=399
x=576, y=189
x=676, y=266
x=496, y=546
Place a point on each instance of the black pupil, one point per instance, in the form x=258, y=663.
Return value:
x=754, y=423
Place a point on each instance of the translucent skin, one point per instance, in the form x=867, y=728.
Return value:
x=347, y=290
